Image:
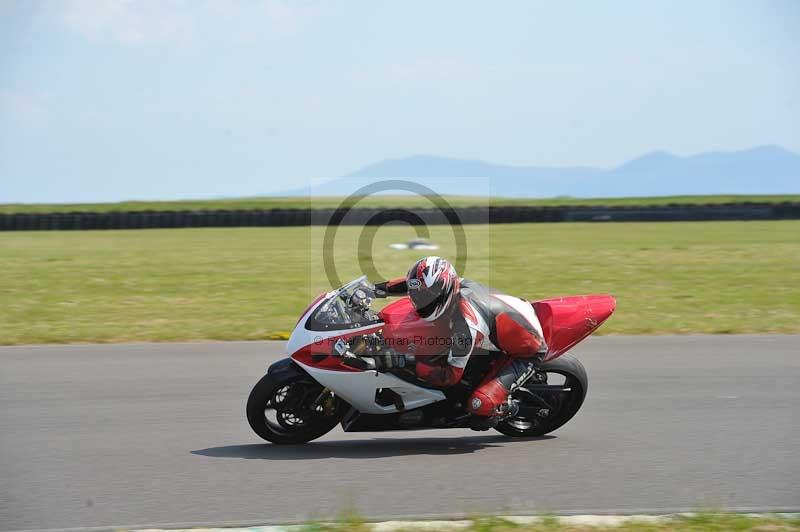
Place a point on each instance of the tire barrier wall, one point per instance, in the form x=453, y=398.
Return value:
x=467, y=215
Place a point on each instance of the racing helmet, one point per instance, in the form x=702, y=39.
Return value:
x=432, y=286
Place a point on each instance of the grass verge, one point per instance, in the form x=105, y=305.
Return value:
x=700, y=522
x=252, y=283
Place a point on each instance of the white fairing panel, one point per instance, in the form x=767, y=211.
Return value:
x=359, y=388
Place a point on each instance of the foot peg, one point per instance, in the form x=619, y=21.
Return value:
x=507, y=410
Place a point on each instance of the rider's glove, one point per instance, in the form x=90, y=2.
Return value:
x=381, y=290
x=389, y=360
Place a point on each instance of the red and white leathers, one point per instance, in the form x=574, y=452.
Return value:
x=482, y=320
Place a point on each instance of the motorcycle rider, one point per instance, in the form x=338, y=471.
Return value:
x=478, y=319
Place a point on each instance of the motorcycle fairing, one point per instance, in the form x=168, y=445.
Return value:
x=311, y=349
x=360, y=389
x=312, y=346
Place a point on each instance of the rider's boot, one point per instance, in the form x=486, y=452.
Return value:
x=507, y=410
x=491, y=402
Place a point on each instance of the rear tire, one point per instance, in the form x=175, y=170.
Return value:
x=561, y=406
x=292, y=400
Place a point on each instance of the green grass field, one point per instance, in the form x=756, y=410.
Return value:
x=373, y=201
x=249, y=283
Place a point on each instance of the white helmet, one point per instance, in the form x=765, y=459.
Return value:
x=432, y=286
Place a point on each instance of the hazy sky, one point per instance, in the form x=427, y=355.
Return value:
x=111, y=100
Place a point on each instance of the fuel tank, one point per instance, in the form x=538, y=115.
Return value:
x=406, y=332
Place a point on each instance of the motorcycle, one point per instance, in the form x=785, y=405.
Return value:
x=329, y=376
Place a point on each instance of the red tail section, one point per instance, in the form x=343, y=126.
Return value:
x=568, y=320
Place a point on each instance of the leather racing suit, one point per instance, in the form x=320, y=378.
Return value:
x=482, y=319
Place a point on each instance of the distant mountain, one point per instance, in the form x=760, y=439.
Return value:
x=761, y=170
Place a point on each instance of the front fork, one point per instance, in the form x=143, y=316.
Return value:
x=325, y=403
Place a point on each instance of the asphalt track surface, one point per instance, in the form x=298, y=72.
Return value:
x=128, y=435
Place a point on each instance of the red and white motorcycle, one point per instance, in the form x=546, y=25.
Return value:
x=326, y=380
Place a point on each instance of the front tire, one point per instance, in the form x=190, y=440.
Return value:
x=291, y=411
x=558, y=407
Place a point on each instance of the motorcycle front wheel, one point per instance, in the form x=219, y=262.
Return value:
x=545, y=405
x=291, y=411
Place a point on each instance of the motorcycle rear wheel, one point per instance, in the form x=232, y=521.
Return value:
x=290, y=411
x=554, y=409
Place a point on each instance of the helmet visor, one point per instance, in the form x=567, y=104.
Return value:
x=426, y=301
